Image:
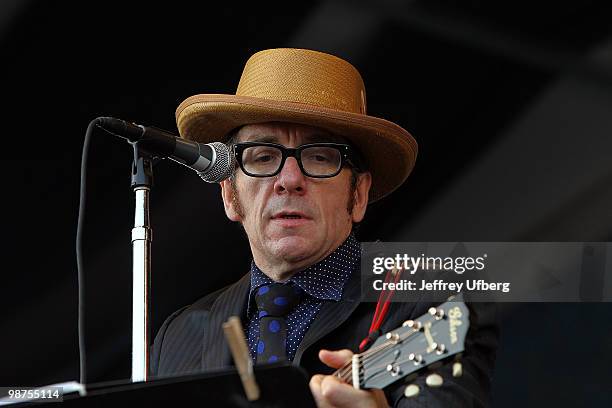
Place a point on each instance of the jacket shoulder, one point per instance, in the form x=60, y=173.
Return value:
x=184, y=326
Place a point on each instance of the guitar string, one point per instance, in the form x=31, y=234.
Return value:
x=384, y=372
x=347, y=369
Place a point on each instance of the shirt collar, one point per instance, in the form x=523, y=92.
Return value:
x=324, y=280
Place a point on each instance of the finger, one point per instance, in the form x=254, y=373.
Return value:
x=315, y=382
x=339, y=394
x=335, y=359
x=315, y=389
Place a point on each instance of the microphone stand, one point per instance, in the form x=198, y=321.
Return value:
x=142, y=181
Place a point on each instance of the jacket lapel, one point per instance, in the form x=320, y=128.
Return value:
x=215, y=353
x=332, y=315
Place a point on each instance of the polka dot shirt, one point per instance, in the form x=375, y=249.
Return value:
x=321, y=282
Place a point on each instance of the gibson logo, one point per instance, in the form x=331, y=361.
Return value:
x=454, y=316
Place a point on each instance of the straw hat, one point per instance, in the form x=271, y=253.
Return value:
x=306, y=87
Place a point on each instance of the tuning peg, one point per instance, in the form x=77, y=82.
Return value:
x=438, y=348
x=411, y=391
x=416, y=358
x=413, y=324
x=393, y=337
x=393, y=369
x=434, y=380
x=437, y=313
x=457, y=369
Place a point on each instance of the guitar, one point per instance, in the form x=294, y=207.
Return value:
x=417, y=344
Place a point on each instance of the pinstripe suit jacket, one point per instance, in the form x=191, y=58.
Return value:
x=191, y=341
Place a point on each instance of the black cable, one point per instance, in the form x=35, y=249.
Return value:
x=79, y=253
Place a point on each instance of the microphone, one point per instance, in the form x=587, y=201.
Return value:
x=213, y=162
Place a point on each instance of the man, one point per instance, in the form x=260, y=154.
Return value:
x=309, y=160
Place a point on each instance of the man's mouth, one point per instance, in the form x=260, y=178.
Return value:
x=289, y=215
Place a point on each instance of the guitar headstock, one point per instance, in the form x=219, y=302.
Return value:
x=415, y=345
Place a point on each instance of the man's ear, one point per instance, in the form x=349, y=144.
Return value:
x=227, y=194
x=360, y=200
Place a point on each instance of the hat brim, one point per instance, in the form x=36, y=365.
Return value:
x=389, y=150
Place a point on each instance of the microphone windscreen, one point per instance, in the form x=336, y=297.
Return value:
x=222, y=167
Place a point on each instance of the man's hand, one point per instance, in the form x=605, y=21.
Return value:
x=329, y=391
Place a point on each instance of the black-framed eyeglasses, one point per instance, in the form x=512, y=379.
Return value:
x=318, y=160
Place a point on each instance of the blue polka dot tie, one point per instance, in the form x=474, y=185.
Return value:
x=274, y=303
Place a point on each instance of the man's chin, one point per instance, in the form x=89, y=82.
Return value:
x=292, y=248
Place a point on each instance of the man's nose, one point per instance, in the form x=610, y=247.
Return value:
x=290, y=179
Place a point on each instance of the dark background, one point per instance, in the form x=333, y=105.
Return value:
x=511, y=104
